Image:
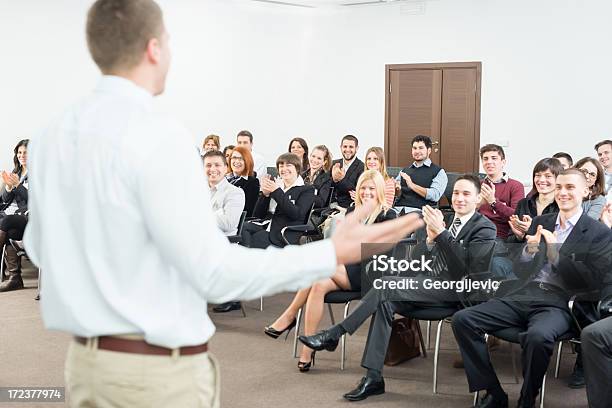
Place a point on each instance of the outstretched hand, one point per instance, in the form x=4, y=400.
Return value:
x=351, y=233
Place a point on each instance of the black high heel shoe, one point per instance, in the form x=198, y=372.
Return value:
x=272, y=332
x=305, y=366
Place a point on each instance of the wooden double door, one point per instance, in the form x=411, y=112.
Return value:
x=441, y=101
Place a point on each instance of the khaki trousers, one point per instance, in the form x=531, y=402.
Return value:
x=100, y=378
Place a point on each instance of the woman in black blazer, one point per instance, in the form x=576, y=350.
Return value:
x=370, y=187
x=13, y=208
x=539, y=201
x=318, y=174
x=286, y=201
x=241, y=175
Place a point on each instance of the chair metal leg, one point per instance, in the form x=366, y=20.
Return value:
x=261, y=304
x=343, y=347
x=558, y=362
x=2, y=268
x=428, y=334
x=38, y=286
x=476, y=397
x=421, y=339
x=513, y=357
x=298, y=321
x=331, y=314
x=241, y=309
x=542, y=391
x=436, y=354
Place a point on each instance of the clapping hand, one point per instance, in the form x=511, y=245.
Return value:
x=337, y=172
x=606, y=215
x=268, y=186
x=353, y=194
x=533, y=241
x=10, y=179
x=434, y=219
x=487, y=192
x=407, y=179
x=552, y=247
x=518, y=227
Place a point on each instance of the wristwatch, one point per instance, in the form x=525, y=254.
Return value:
x=493, y=204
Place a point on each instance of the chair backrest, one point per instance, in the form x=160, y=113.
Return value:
x=330, y=197
x=393, y=171
x=241, y=222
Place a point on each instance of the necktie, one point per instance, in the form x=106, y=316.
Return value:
x=455, y=227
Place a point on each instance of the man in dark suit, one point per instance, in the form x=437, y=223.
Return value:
x=565, y=253
x=346, y=171
x=466, y=246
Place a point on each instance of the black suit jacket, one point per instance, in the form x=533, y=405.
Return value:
x=322, y=186
x=348, y=183
x=469, y=253
x=292, y=208
x=250, y=186
x=585, y=258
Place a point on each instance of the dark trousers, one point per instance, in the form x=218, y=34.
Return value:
x=383, y=304
x=255, y=236
x=597, y=359
x=14, y=225
x=542, y=326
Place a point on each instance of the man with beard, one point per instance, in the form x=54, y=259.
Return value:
x=346, y=171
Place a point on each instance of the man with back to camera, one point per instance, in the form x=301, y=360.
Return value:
x=464, y=245
x=227, y=200
x=423, y=182
x=346, y=171
x=565, y=254
x=604, y=155
x=245, y=138
x=131, y=261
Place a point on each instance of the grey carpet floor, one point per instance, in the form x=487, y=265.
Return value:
x=258, y=371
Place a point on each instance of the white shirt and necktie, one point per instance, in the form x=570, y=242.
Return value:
x=227, y=203
x=125, y=249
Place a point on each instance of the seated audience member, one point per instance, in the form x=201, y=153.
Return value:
x=500, y=196
x=565, y=253
x=370, y=188
x=346, y=171
x=211, y=142
x=375, y=160
x=227, y=152
x=13, y=217
x=317, y=174
x=284, y=201
x=299, y=147
x=241, y=175
x=423, y=182
x=565, y=159
x=227, y=200
x=245, y=139
x=463, y=247
x=540, y=200
x=604, y=154
x=595, y=200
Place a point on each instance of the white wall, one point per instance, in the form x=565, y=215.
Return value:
x=283, y=72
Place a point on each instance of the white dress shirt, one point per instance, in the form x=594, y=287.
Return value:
x=227, y=203
x=122, y=226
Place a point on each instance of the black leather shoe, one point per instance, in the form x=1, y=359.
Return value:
x=323, y=340
x=577, y=378
x=227, y=307
x=13, y=283
x=489, y=401
x=366, y=388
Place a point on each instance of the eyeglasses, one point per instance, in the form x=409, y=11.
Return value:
x=588, y=173
x=234, y=158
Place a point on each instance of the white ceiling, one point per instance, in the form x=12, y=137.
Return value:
x=330, y=3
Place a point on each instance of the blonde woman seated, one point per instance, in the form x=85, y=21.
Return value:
x=370, y=186
x=375, y=160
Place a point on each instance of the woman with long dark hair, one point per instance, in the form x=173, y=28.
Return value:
x=299, y=147
x=13, y=214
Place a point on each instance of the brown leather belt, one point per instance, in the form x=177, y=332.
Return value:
x=112, y=343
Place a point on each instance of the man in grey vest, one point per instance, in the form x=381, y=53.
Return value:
x=423, y=182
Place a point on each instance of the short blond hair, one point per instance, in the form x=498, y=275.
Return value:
x=118, y=32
